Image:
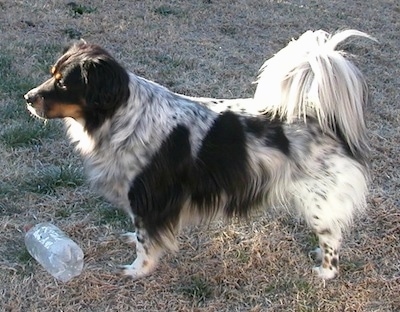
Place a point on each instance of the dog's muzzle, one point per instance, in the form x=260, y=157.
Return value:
x=31, y=97
x=34, y=103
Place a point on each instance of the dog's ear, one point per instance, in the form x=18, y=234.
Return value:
x=107, y=84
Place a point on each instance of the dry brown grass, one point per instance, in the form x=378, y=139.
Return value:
x=205, y=48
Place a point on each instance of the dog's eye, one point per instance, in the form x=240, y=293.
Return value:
x=60, y=84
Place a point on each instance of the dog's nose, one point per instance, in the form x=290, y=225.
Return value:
x=30, y=97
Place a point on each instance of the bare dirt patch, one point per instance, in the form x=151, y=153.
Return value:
x=200, y=48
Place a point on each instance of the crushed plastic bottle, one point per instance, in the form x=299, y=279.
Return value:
x=55, y=251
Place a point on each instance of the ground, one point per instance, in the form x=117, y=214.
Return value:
x=199, y=48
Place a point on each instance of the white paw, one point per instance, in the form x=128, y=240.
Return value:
x=130, y=271
x=325, y=273
x=137, y=269
x=129, y=238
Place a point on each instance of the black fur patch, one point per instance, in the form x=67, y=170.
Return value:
x=158, y=193
x=270, y=131
x=356, y=155
x=222, y=168
x=107, y=86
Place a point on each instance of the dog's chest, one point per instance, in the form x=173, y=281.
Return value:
x=110, y=168
x=111, y=174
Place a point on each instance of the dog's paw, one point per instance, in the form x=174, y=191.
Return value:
x=129, y=271
x=325, y=273
x=129, y=238
x=135, y=271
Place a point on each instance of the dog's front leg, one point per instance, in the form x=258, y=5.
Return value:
x=147, y=256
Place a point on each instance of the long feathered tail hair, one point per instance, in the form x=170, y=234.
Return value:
x=310, y=78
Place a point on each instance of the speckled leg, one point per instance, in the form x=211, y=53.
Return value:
x=328, y=254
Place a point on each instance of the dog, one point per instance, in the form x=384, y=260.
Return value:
x=171, y=160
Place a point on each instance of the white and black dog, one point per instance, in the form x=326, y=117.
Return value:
x=170, y=160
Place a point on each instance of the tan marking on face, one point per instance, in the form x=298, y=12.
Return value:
x=60, y=110
x=58, y=76
x=53, y=70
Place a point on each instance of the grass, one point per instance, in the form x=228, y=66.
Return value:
x=79, y=9
x=48, y=179
x=165, y=10
x=11, y=82
x=24, y=257
x=27, y=133
x=73, y=33
x=200, y=48
x=110, y=215
x=198, y=290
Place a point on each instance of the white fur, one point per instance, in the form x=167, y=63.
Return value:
x=310, y=78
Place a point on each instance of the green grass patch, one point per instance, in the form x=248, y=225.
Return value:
x=303, y=286
x=173, y=62
x=198, y=289
x=228, y=29
x=242, y=255
x=62, y=213
x=73, y=33
x=5, y=189
x=24, y=257
x=48, y=180
x=79, y=9
x=313, y=240
x=28, y=132
x=110, y=215
x=165, y=10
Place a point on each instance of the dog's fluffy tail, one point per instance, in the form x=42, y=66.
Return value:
x=310, y=78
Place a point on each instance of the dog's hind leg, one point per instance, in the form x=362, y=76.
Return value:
x=328, y=254
x=321, y=217
x=328, y=200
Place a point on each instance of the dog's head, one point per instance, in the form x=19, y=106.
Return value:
x=86, y=84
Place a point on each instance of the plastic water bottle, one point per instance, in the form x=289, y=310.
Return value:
x=55, y=251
